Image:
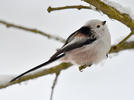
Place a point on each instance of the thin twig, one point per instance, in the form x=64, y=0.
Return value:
x=125, y=39
x=120, y=44
x=79, y=7
x=7, y=24
x=54, y=84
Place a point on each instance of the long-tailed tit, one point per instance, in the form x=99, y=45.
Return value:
x=88, y=45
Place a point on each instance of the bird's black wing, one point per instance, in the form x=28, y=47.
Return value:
x=83, y=30
x=87, y=38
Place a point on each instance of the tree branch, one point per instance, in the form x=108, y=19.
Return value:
x=124, y=46
x=113, y=13
x=7, y=24
x=54, y=84
x=79, y=7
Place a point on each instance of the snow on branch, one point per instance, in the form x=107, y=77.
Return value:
x=120, y=8
x=112, y=12
x=4, y=79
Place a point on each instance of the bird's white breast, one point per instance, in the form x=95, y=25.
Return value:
x=90, y=54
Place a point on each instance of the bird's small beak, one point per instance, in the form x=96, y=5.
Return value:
x=104, y=22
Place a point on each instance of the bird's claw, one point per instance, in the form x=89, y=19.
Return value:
x=82, y=67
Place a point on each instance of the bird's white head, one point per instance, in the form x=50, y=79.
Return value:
x=97, y=26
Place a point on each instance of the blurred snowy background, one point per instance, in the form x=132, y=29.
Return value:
x=21, y=50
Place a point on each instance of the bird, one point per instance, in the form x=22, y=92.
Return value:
x=88, y=45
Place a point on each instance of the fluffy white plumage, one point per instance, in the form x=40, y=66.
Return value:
x=93, y=52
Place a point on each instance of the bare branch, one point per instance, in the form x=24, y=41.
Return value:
x=124, y=46
x=125, y=39
x=54, y=84
x=79, y=7
x=7, y=24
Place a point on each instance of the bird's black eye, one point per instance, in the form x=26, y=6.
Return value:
x=98, y=26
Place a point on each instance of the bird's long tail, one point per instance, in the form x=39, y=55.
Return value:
x=37, y=67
